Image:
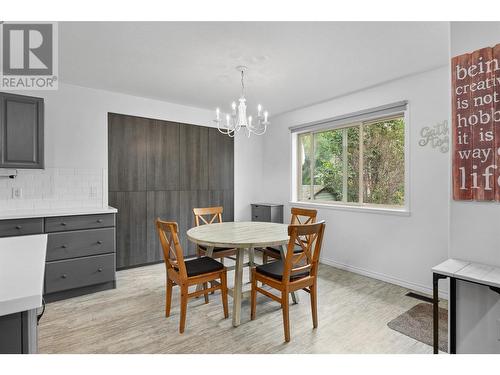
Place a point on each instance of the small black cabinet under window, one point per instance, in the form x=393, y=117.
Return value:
x=268, y=212
x=21, y=131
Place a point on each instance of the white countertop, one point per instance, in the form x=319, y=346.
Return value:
x=22, y=267
x=48, y=212
x=476, y=272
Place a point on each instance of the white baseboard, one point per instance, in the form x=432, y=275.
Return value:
x=380, y=276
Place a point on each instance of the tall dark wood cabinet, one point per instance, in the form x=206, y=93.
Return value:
x=21, y=131
x=164, y=169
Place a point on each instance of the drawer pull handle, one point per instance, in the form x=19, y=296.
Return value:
x=63, y=224
x=99, y=220
x=64, y=246
x=99, y=242
x=99, y=269
x=64, y=276
x=19, y=227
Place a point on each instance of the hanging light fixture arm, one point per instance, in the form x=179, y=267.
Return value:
x=238, y=119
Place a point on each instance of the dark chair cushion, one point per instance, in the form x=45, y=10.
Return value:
x=199, y=266
x=276, y=250
x=275, y=270
x=204, y=248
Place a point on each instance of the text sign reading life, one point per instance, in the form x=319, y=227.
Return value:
x=476, y=125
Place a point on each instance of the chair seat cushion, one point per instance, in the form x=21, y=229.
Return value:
x=199, y=266
x=216, y=249
x=275, y=270
x=296, y=249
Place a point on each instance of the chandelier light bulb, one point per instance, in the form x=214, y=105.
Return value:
x=217, y=114
x=259, y=110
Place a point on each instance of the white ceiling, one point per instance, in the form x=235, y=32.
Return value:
x=291, y=64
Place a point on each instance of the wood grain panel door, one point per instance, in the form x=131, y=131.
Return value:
x=163, y=155
x=165, y=205
x=189, y=200
x=224, y=198
x=220, y=161
x=131, y=236
x=127, y=152
x=193, y=157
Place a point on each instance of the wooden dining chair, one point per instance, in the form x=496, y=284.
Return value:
x=299, y=270
x=211, y=215
x=299, y=216
x=186, y=273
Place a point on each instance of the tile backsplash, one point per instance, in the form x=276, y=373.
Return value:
x=54, y=188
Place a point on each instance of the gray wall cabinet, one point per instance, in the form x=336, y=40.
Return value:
x=164, y=169
x=21, y=131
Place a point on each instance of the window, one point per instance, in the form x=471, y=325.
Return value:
x=362, y=163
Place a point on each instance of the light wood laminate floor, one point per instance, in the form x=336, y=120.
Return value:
x=353, y=314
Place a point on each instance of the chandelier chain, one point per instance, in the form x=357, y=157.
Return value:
x=242, y=84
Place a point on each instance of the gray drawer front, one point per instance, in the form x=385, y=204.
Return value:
x=261, y=213
x=75, y=273
x=80, y=243
x=21, y=227
x=64, y=223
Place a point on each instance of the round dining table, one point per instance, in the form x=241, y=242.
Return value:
x=243, y=236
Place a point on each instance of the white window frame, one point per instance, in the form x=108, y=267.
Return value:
x=403, y=210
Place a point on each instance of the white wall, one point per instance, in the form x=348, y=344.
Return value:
x=76, y=143
x=475, y=228
x=398, y=249
x=248, y=174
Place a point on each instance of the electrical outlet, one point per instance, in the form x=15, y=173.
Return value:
x=17, y=193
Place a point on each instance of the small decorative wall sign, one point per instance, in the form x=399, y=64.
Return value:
x=475, y=107
x=437, y=136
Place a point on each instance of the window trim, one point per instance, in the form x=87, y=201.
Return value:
x=353, y=207
x=403, y=210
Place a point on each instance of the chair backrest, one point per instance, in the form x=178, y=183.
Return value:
x=172, y=249
x=309, y=237
x=303, y=216
x=207, y=215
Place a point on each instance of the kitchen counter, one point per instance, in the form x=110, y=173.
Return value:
x=22, y=266
x=51, y=212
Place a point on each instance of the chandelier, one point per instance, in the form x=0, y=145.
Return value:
x=233, y=122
